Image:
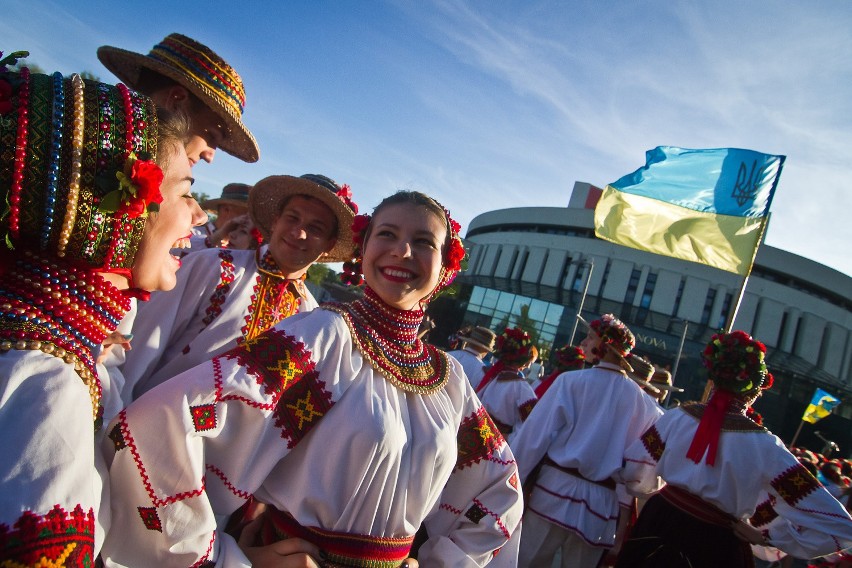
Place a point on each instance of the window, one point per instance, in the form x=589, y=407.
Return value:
x=632, y=286
x=708, y=306
x=726, y=309
x=678, y=297
x=648, y=292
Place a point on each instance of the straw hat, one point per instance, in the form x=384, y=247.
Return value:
x=268, y=195
x=232, y=194
x=662, y=379
x=197, y=68
x=479, y=336
x=642, y=372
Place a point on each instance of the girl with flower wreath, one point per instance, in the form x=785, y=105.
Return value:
x=504, y=390
x=721, y=481
x=338, y=426
x=96, y=191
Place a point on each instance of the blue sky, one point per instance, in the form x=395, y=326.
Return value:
x=495, y=104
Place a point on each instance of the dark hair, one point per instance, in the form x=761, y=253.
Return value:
x=172, y=130
x=408, y=197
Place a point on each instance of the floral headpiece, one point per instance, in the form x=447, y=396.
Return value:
x=614, y=333
x=345, y=195
x=514, y=347
x=736, y=363
x=454, y=254
x=76, y=187
x=568, y=358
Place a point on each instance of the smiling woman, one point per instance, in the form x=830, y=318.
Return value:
x=273, y=419
x=85, y=174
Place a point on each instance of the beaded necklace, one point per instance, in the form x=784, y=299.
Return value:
x=387, y=338
x=61, y=310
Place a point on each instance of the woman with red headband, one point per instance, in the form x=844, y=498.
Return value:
x=712, y=468
x=97, y=188
x=341, y=425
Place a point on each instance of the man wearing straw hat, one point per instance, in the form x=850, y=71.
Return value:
x=477, y=342
x=576, y=437
x=230, y=209
x=181, y=74
x=224, y=297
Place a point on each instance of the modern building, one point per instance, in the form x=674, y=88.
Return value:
x=531, y=266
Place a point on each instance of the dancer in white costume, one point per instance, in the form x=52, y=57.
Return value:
x=350, y=431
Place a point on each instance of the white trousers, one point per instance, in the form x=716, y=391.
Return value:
x=542, y=539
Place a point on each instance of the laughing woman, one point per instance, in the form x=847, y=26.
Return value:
x=83, y=166
x=348, y=430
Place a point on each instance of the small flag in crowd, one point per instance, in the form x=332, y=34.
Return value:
x=705, y=206
x=821, y=406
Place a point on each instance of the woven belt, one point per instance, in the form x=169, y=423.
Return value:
x=342, y=550
x=696, y=506
x=609, y=483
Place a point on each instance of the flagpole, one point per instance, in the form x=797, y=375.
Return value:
x=796, y=435
x=732, y=316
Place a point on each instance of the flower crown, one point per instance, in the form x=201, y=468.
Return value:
x=138, y=190
x=615, y=333
x=453, y=256
x=345, y=195
x=514, y=347
x=736, y=363
x=568, y=357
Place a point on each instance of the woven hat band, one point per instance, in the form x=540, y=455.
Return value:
x=195, y=61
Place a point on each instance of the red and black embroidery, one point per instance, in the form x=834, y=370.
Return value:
x=284, y=367
x=653, y=443
x=513, y=480
x=203, y=417
x=220, y=294
x=795, y=484
x=764, y=513
x=117, y=438
x=478, y=438
x=273, y=298
x=55, y=539
x=527, y=407
x=475, y=513
x=150, y=518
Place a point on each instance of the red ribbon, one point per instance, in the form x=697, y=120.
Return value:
x=138, y=293
x=546, y=382
x=489, y=375
x=707, y=434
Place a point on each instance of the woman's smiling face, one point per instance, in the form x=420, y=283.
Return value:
x=154, y=267
x=403, y=254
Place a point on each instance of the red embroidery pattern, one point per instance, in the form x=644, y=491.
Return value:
x=150, y=518
x=272, y=299
x=653, y=443
x=284, y=367
x=227, y=482
x=527, y=407
x=795, y=484
x=513, y=480
x=55, y=539
x=220, y=294
x=477, y=439
x=764, y=513
x=203, y=417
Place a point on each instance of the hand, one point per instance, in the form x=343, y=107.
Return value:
x=748, y=533
x=114, y=338
x=289, y=553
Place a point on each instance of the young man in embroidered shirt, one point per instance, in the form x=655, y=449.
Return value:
x=578, y=433
x=176, y=75
x=224, y=297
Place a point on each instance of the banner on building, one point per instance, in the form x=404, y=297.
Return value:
x=707, y=206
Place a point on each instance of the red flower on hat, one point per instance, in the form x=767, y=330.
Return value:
x=138, y=190
x=5, y=97
x=345, y=195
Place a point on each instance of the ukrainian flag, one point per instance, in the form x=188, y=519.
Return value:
x=821, y=406
x=706, y=206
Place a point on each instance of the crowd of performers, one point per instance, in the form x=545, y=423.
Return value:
x=171, y=394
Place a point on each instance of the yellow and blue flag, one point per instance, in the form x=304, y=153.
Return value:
x=821, y=406
x=706, y=206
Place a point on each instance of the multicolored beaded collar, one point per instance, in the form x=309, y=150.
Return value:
x=63, y=311
x=387, y=338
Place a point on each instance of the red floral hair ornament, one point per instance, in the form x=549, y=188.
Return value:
x=138, y=190
x=615, y=333
x=513, y=349
x=345, y=195
x=352, y=272
x=736, y=364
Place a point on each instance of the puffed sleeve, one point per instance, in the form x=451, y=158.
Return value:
x=481, y=504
